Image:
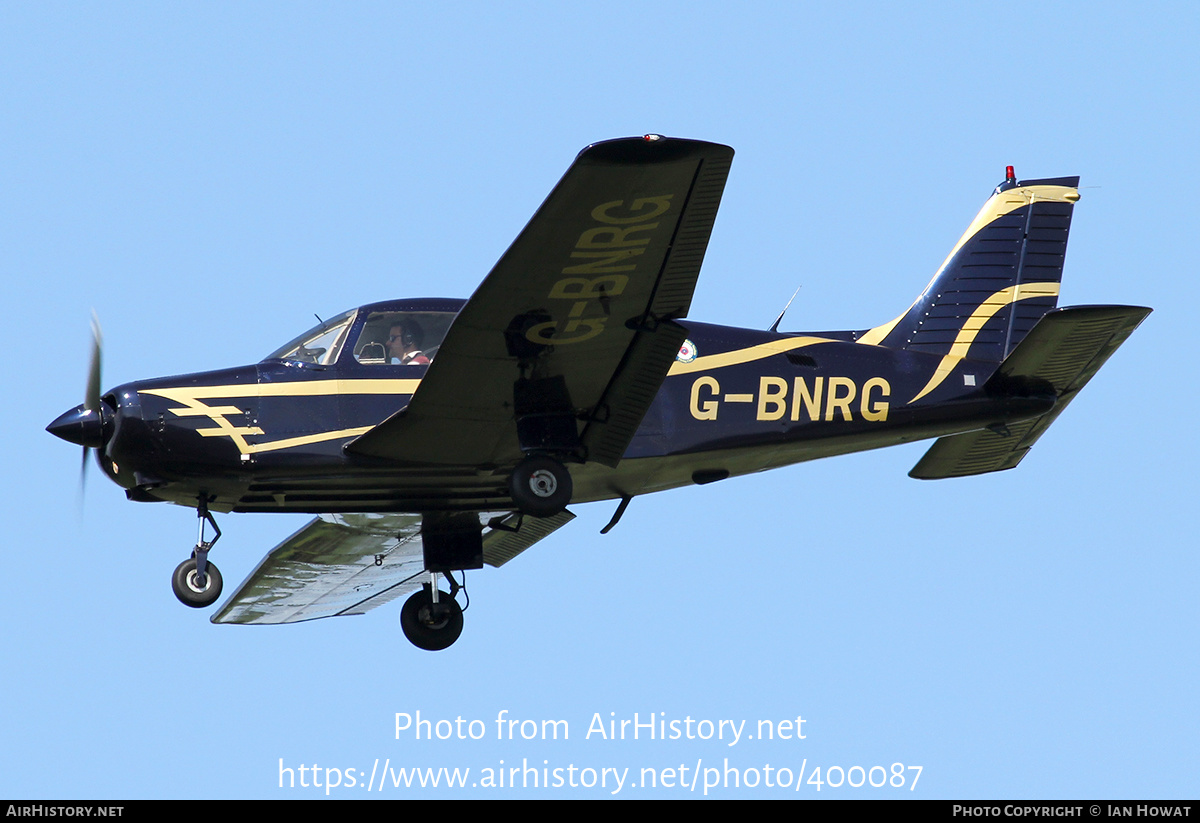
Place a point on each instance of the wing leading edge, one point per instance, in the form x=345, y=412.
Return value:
x=564, y=345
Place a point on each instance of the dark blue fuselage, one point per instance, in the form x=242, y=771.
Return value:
x=270, y=437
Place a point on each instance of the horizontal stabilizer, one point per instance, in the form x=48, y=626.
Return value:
x=1060, y=354
x=978, y=452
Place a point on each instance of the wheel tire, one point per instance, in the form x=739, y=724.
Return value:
x=422, y=629
x=183, y=582
x=540, y=486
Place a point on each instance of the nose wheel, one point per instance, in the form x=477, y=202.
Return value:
x=196, y=582
x=189, y=588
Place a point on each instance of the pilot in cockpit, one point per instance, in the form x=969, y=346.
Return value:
x=404, y=344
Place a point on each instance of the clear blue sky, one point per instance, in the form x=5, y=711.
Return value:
x=208, y=176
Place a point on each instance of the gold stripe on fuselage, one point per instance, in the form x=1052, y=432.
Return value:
x=747, y=355
x=307, y=388
x=304, y=440
x=192, y=397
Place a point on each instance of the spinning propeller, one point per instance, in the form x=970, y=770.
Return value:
x=85, y=424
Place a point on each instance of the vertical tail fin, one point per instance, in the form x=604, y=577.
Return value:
x=998, y=281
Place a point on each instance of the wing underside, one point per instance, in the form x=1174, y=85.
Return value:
x=564, y=345
x=341, y=564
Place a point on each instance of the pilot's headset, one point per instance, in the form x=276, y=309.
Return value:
x=412, y=335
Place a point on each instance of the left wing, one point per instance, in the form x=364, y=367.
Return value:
x=341, y=564
x=564, y=345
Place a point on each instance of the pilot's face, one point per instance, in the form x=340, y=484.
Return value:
x=395, y=343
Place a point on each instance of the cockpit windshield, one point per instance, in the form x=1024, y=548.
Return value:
x=409, y=338
x=320, y=344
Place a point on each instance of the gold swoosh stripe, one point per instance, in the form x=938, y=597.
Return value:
x=288, y=442
x=747, y=355
x=970, y=329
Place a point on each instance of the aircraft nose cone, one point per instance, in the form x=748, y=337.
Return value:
x=81, y=426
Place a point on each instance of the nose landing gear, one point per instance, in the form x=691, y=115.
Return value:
x=191, y=590
x=196, y=582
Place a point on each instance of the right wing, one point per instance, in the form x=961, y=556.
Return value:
x=341, y=564
x=565, y=344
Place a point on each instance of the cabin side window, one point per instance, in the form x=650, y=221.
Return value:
x=401, y=338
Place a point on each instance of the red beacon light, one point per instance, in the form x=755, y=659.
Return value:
x=1009, y=175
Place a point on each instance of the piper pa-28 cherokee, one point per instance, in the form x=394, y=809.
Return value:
x=432, y=436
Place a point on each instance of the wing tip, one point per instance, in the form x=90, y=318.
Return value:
x=650, y=148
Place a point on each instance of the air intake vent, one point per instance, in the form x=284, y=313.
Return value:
x=801, y=360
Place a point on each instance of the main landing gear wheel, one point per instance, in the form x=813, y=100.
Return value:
x=540, y=486
x=186, y=583
x=428, y=625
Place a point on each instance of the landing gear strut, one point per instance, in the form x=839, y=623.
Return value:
x=196, y=582
x=432, y=619
x=540, y=486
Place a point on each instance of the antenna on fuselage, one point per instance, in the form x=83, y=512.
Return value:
x=775, y=325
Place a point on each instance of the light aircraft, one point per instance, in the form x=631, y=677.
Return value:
x=432, y=436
